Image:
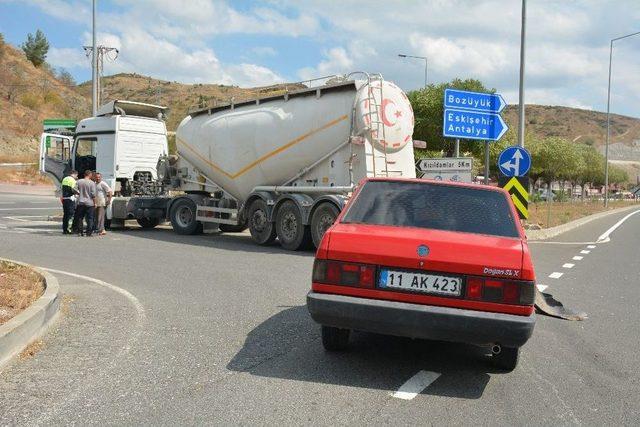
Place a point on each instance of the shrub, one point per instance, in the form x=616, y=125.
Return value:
x=30, y=100
x=52, y=98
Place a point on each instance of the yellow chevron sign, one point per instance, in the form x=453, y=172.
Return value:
x=517, y=187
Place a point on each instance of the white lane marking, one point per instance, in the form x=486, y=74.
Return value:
x=132, y=298
x=567, y=265
x=585, y=252
x=556, y=275
x=541, y=288
x=591, y=246
x=39, y=203
x=561, y=243
x=577, y=258
x=29, y=209
x=37, y=230
x=605, y=236
x=7, y=203
x=415, y=385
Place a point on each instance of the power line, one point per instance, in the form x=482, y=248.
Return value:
x=111, y=53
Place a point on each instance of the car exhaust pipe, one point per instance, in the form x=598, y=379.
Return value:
x=496, y=349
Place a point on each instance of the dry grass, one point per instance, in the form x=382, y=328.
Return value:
x=563, y=212
x=19, y=287
x=26, y=175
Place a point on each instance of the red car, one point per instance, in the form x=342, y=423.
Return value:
x=426, y=259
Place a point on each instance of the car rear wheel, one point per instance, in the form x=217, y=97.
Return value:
x=335, y=339
x=291, y=232
x=183, y=217
x=506, y=359
x=323, y=217
x=263, y=231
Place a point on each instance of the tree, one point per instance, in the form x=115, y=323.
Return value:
x=591, y=169
x=65, y=77
x=36, y=48
x=428, y=110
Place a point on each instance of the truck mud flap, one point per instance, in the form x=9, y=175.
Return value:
x=546, y=304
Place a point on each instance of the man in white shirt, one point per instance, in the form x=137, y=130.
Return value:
x=103, y=199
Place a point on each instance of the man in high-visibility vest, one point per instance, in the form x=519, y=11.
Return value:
x=68, y=200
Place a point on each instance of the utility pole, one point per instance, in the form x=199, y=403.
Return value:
x=94, y=67
x=606, y=147
x=97, y=63
x=522, y=58
x=99, y=67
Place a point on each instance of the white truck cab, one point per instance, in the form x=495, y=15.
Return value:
x=123, y=143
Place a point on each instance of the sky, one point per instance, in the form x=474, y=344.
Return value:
x=253, y=43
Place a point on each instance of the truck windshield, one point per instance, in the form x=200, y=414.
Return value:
x=433, y=206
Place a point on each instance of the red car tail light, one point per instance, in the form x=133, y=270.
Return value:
x=342, y=273
x=474, y=288
x=500, y=291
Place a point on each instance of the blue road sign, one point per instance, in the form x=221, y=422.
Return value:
x=476, y=101
x=514, y=161
x=473, y=125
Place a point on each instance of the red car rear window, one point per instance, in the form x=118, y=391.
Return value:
x=433, y=206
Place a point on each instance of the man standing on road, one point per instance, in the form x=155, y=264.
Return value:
x=85, y=210
x=68, y=200
x=103, y=199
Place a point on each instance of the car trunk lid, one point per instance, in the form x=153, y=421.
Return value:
x=427, y=249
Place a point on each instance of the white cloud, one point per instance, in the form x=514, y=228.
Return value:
x=67, y=58
x=253, y=75
x=143, y=53
x=72, y=11
x=336, y=61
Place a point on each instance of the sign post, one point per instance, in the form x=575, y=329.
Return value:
x=474, y=115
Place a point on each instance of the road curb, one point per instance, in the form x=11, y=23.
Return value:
x=548, y=233
x=31, y=323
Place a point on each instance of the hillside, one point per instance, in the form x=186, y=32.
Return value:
x=583, y=126
x=27, y=96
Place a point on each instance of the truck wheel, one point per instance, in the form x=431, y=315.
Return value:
x=335, y=339
x=183, y=217
x=228, y=228
x=262, y=230
x=148, y=222
x=506, y=359
x=323, y=217
x=291, y=232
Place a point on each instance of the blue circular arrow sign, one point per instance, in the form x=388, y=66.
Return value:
x=514, y=161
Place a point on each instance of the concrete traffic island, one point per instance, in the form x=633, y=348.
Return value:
x=31, y=323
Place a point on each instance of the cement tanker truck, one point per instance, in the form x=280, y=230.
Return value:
x=282, y=165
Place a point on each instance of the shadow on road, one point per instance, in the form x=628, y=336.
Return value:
x=225, y=241
x=288, y=346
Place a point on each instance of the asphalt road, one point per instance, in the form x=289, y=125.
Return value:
x=213, y=330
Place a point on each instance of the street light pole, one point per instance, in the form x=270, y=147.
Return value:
x=522, y=57
x=606, y=147
x=426, y=64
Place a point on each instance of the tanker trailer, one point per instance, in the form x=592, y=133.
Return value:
x=284, y=165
